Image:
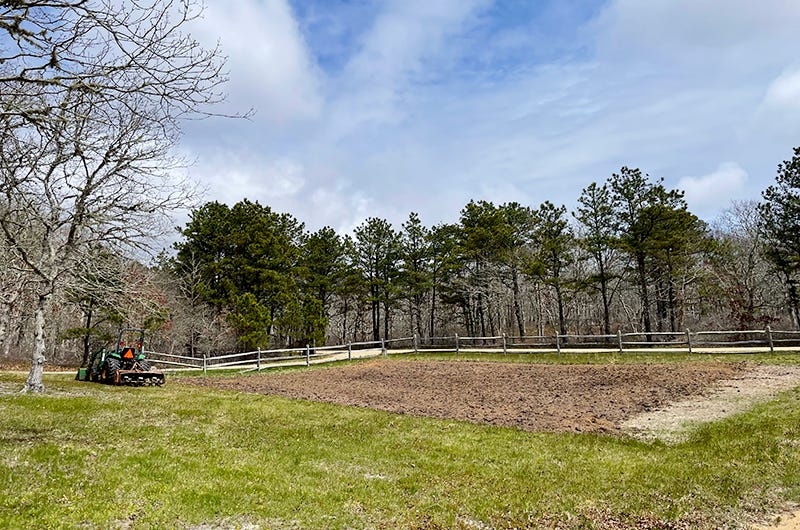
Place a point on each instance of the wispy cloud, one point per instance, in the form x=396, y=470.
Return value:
x=369, y=108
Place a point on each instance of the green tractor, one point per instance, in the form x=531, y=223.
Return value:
x=124, y=365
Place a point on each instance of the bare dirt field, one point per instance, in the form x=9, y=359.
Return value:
x=553, y=398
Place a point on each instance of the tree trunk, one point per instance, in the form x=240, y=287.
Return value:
x=562, y=322
x=433, y=312
x=661, y=304
x=490, y=313
x=376, y=319
x=672, y=305
x=604, y=296
x=517, y=305
x=794, y=302
x=481, y=317
x=5, y=319
x=34, y=382
x=87, y=335
x=385, y=320
x=640, y=265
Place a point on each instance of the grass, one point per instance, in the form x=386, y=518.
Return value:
x=93, y=456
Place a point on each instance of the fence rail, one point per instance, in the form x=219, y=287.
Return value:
x=711, y=341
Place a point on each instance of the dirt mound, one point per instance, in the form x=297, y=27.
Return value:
x=555, y=398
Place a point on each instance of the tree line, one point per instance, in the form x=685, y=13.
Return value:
x=92, y=95
x=630, y=257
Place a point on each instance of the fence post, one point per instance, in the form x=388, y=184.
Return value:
x=505, y=350
x=558, y=343
x=308, y=355
x=383, y=347
x=689, y=339
x=415, y=344
x=349, y=351
x=258, y=360
x=769, y=339
x=619, y=340
x=204, y=364
x=456, y=343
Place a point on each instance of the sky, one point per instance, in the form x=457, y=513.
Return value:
x=380, y=108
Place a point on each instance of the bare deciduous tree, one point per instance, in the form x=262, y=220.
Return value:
x=91, y=97
x=80, y=180
x=114, y=50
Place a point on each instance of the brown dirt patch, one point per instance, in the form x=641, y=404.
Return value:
x=674, y=422
x=554, y=398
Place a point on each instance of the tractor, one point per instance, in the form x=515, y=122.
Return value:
x=124, y=365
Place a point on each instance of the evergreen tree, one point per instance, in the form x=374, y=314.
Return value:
x=641, y=207
x=248, y=257
x=780, y=222
x=484, y=234
x=375, y=253
x=444, y=267
x=415, y=277
x=600, y=234
x=554, y=244
x=515, y=251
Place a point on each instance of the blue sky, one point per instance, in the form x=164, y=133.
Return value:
x=379, y=108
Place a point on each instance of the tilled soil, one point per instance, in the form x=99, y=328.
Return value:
x=553, y=398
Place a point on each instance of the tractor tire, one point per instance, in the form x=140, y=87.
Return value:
x=110, y=370
x=95, y=373
x=144, y=365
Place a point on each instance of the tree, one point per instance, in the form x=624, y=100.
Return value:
x=515, y=249
x=375, y=252
x=78, y=181
x=780, y=223
x=600, y=234
x=415, y=273
x=322, y=266
x=91, y=97
x=321, y=271
x=444, y=265
x=117, y=51
x=741, y=274
x=640, y=207
x=484, y=234
x=248, y=250
x=13, y=290
x=678, y=238
x=100, y=296
x=554, y=251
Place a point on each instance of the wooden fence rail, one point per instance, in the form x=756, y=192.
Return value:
x=707, y=341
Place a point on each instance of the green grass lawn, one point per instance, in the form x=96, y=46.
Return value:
x=94, y=456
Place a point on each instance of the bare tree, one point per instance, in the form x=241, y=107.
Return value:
x=740, y=271
x=12, y=291
x=91, y=97
x=76, y=181
x=112, y=49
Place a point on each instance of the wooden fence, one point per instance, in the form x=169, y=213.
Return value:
x=735, y=341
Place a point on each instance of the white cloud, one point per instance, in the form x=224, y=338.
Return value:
x=338, y=209
x=268, y=60
x=282, y=178
x=394, y=125
x=695, y=30
x=784, y=91
x=713, y=192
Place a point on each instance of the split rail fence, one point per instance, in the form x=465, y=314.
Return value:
x=748, y=341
